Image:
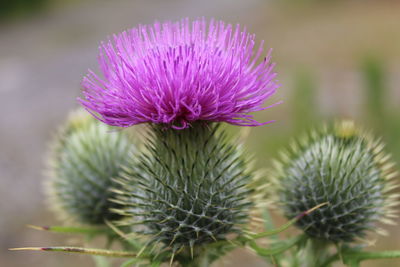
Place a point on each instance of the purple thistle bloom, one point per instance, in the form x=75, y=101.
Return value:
x=178, y=73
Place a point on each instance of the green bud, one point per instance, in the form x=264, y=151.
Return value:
x=189, y=189
x=85, y=158
x=345, y=168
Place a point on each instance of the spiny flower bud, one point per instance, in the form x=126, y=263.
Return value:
x=345, y=168
x=86, y=156
x=189, y=189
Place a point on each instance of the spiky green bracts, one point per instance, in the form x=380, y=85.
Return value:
x=347, y=169
x=189, y=189
x=86, y=156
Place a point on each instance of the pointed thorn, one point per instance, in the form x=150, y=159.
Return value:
x=172, y=259
x=142, y=250
x=301, y=215
x=191, y=244
x=40, y=228
x=173, y=240
x=27, y=248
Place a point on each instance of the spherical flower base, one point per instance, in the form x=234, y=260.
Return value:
x=179, y=73
x=345, y=168
x=190, y=189
x=86, y=156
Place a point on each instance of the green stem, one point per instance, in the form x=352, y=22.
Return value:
x=279, y=248
x=275, y=231
x=204, y=261
x=365, y=255
x=318, y=252
x=330, y=260
x=199, y=260
x=354, y=258
x=353, y=263
x=288, y=224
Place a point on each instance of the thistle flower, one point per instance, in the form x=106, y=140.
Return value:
x=179, y=73
x=346, y=168
x=189, y=189
x=85, y=158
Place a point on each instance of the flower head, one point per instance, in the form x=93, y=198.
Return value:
x=346, y=168
x=179, y=73
x=85, y=158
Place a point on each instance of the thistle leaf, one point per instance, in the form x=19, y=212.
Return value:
x=80, y=250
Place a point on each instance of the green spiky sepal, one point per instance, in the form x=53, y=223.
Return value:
x=345, y=168
x=188, y=190
x=85, y=158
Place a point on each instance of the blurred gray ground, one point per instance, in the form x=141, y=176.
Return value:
x=43, y=59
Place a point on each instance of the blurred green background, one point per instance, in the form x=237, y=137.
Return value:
x=335, y=59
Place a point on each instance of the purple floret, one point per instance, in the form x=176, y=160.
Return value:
x=178, y=73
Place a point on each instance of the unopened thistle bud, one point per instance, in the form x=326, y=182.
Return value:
x=345, y=168
x=189, y=189
x=86, y=156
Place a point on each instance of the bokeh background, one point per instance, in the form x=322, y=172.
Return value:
x=336, y=59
